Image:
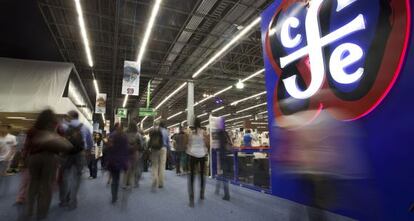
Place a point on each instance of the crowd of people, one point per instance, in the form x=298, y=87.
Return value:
x=57, y=151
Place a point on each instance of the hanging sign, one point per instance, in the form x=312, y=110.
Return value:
x=130, y=80
x=144, y=112
x=100, y=105
x=122, y=112
x=344, y=54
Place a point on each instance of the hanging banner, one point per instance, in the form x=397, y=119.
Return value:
x=130, y=81
x=100, y=104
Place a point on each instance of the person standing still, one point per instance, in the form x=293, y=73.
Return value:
x=159, y=143
x=197, y=150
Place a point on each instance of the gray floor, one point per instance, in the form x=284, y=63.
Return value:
x=170, y=203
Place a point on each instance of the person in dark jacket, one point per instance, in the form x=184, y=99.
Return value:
x=225, y=145
x=117, y=157
x=180, y=145
x=42, y=146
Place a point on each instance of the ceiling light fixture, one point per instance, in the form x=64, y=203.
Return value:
x=240, y=85
x=16, y=118
x=125, y=101
x=170, y=95
x=226, y=115
x=241, y=34
x=252, y=107
x=174, y=125
x=217, y=109
x=95, y=83
x=253, y=75
x=174, y=115
x=148, y=31
x=264, y=112
x=83, y=32
x=238, y=118
x=248, y=98
x=202, y=115
x=142, y=121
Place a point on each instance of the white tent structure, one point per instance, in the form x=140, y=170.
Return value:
x=28, y=86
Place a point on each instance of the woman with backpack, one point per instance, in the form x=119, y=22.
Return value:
x=197, y=150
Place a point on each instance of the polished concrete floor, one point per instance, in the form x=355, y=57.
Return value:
x=169, y=203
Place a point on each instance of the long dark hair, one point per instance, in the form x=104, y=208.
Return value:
x=46, y=120
x=197, y=125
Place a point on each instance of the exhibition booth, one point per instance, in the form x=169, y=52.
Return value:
x=348, y=63
x=27, y=87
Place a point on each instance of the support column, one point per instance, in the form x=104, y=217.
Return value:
x=190, y=103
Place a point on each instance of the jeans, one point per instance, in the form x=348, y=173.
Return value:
x=201, y=162
x=93, y=167
x=179, y=159
x=158, y=161
x=71, y=178
x=42, y=169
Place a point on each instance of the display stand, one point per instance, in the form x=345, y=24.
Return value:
x=247, y=170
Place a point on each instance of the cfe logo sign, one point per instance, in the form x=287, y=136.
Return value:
x=334, y=53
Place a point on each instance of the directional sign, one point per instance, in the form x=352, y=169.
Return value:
x=122, y=112
x=143, y=112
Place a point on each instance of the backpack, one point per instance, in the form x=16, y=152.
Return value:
x=155, y=141
x=74, y=136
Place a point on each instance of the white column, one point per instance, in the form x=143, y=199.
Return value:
x=190, y=103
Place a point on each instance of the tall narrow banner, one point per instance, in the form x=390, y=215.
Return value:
x=100, y=104
x=130, y=81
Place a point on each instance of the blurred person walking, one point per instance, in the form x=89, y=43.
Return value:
x=117, y=158
x=15, y=163
x=73, y=162
x=224, y=149
x=159, y=143
x=8, y=145
x=42, y=146
x=135, y=148
x=180, y=144
x=197, y=150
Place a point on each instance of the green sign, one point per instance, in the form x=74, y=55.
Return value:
x=122, y=112
x=143, y=112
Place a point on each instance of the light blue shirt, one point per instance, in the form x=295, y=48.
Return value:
x=86, y=133
x=165, y=138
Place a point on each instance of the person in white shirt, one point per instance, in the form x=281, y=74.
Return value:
x=197, y=150
x=8, y=145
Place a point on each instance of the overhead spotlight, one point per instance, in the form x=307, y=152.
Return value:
x=240, y=85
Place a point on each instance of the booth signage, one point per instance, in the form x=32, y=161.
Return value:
x=334, y=53
x=143, y=112
x=122, y=112
x=100, y=104
x=130, y=80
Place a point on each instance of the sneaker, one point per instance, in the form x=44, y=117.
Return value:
x=227, y=198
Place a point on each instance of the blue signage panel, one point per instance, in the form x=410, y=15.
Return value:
x=351, y=55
